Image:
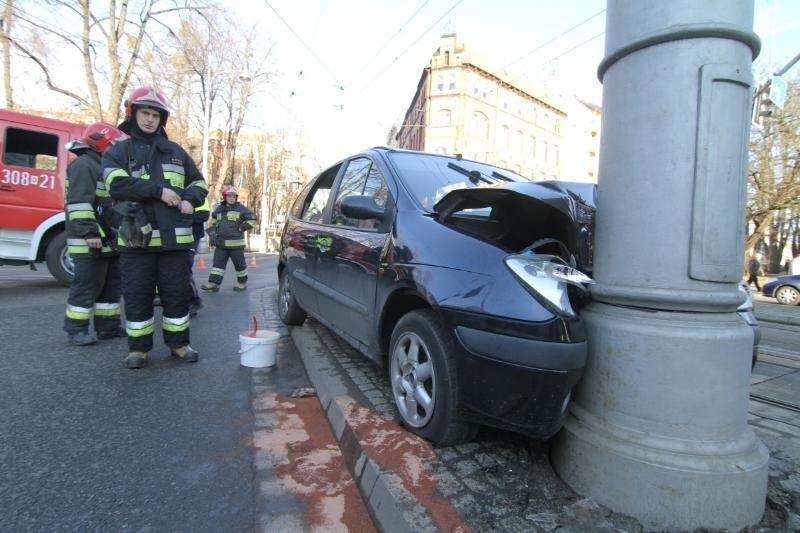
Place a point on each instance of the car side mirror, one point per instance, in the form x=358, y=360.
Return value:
x=361, y=207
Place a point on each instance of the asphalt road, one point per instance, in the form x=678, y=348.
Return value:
x=87, y=445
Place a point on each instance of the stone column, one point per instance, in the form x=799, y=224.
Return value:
x=658, y=428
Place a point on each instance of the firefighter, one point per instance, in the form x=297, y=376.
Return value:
x=157, y=186
x=229, y=221
x=95, y=288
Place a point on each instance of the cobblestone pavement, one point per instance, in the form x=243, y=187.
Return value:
x=500, y=481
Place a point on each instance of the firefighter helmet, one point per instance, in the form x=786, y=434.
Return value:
x=147, y=96
x=230, y=189
x=100, y=135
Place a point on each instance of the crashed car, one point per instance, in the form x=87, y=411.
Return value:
x=461, y=279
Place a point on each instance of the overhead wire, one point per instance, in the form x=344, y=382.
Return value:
x=565, y=32
x=382, y=48
x=556, y=58
x=379, y=74
x=300, y=39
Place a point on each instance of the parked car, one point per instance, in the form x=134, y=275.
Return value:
x=462, y=279
x=785, y=289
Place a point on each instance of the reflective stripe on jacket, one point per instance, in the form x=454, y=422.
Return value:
x=138, y=169
x=87, y=207
x=231, y=222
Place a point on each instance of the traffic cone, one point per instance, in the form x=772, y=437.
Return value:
x=201, y=262
x=253, y=261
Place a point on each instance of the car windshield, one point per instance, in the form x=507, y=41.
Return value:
x=429, y=177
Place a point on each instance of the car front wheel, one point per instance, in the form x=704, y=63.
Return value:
x=787, y=295
x=422, y=372
x=288, y=309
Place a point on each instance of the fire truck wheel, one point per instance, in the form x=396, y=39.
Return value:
x=58, y=260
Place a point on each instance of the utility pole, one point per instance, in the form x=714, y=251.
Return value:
x=658, y=428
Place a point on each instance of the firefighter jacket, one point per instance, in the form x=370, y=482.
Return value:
x=136, y=171
x=88, y=208
x=228, y=224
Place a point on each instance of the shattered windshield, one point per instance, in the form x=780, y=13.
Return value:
x=429, y=177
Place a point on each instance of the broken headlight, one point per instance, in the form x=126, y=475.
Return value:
x=549, y=277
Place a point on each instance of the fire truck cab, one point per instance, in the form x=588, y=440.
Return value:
x=33, y=169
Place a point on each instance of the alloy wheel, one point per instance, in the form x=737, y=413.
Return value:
x=413, y=380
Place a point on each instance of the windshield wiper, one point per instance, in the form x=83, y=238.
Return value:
x=473, y=175
x=503, y=177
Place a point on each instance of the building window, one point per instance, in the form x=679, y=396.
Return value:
x=557, y=126
x=445, y=116
x=506, y=136
x=439, y=84
x=556, y=154
x=447, y=58
x=480, y=125
x=533, y=147
x=518, y=142
x=544, y=150
x=451, y=86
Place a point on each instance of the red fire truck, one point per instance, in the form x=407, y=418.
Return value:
x=33, y=169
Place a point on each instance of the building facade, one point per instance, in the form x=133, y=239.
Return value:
x=465, y=105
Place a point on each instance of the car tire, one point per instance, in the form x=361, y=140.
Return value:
x=787, y=295
x=289, y=310
x=58, y=260
x=422, y=373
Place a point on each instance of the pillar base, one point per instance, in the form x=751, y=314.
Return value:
x=658, y=429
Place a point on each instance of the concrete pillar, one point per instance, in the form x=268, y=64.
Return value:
x=658, y=428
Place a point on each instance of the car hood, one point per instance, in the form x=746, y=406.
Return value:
x=522, y=213
x=510, y=195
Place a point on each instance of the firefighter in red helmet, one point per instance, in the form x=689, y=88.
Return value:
x=94, y=291
x=157, y=186
x=228, y=223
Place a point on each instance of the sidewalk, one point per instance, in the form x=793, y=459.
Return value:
x=501, y=481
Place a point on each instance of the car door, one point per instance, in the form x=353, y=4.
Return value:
x=347, y=272
x=305, y=237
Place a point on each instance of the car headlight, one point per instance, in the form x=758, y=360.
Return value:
x=549, y=277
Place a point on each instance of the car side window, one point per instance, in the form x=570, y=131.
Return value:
x=317, y=197
x=361, y=177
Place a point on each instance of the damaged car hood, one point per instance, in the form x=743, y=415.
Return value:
x=516, y=195
x=522, y=213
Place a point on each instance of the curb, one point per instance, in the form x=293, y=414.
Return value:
x=767, y=310
x=392, y=508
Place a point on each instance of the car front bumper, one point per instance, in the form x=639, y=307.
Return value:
x=517, y=383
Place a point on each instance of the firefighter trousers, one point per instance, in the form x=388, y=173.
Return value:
x=93, y=295
x=142, y=273
x=221, y=256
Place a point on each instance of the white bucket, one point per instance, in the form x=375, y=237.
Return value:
x=258, y=351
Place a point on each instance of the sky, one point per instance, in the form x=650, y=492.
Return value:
x=348, y=69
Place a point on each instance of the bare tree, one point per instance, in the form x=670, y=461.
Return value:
x=5, y=30
x=774, y=180
x=113, y=44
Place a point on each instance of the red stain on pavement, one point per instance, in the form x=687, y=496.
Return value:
x=310, y=465
x=409, y=457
